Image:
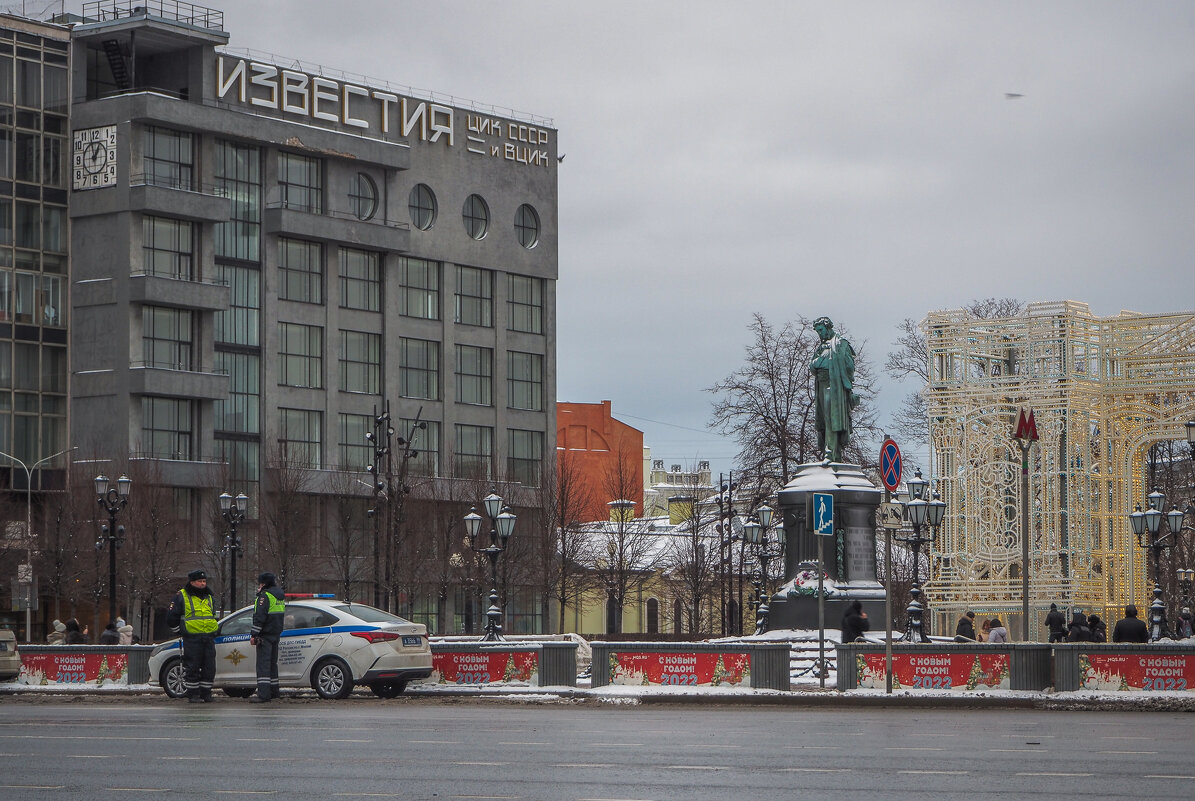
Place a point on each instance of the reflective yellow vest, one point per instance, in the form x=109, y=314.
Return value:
x=277, y=605
x=199, y=616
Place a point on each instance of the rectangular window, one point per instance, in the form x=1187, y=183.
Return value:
x=38, y=299
x=354, y=452
x=166, y=336
x=474, y=375
x=300, y=271
x=474, y=296
x=301, y=437
x=360, y=280
x=526, y=304
x=238, y=177
x=166, y=427
x=425, y=443
x=169, y=159
x=167, y=247
x=420, y=289
x=360, y=362
x=240, y=323
x=525, y=456
x=241, y=412
x=474, y=451
x=301, y=356
x=301, y=180
x=419, y=368
x=525, y=381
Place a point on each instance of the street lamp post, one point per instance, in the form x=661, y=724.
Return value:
x=1150, y=522
x=233, y=511
x=920, y=512
x=726, y=540
x=756, y=533
x=113, y=499
x=29, y=529
x=502, y=525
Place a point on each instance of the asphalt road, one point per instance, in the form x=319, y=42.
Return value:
x=414, y=749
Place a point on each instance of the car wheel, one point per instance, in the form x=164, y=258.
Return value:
x=171, y=678
x=391, y=689
x=238, y=692
x=332, y=679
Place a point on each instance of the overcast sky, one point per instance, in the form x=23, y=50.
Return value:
x=859, y=160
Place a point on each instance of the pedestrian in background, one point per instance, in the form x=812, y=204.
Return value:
x=1099, y=629
x=1186, y=625
x=1056, y=623
x=73, y=635
x=998, y=632
x=110, y=636
x=965, y=630
x=1078, y=631
x=985, y=631
x=125, y=630
x=58, y=635
x=1130, y=628
x=854, y=622
x=192, y=614
x=268, y=616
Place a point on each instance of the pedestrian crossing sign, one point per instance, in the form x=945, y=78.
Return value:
x=823, y=514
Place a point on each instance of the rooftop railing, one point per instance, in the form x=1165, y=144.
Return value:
x=191, y=14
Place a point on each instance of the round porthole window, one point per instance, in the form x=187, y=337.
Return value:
x=422, y=204
x=363, y=197
x=477, y=216
x=527, y=226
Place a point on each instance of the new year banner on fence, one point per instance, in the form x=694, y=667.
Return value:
x=486, y=667
x=98, y=669
x=960, y=672
x=680, y=669
x=1139, y=671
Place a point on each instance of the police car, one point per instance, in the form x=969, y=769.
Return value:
x=326, y=644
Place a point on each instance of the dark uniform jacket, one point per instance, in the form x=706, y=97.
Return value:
x=266, y=624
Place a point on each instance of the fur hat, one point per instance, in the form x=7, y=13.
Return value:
x=196, y=575
x=267, y=579
x=59, y=625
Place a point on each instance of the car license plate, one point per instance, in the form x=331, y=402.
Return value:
x=411, y=641
x=4, y=645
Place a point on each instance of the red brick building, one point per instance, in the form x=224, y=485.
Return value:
x=605, y=455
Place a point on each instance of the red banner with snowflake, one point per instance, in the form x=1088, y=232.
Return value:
x=936, y=671
x=680, y=668
x=74, y=668
x=1137, y=671
x=485, y=667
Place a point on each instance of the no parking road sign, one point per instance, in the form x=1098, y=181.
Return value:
x=890, y=465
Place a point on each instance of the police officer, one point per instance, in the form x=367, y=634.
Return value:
x=192, y=614
x=268, y=612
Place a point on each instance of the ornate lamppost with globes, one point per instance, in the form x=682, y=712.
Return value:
x=755, y=530
x=233, y=511
x=920, y=513
x=113, y=499
x=502, y=524
x=1150, y=522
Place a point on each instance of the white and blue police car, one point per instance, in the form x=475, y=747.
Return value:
x=328, y=645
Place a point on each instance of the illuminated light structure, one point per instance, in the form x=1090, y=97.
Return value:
x=1103, y=390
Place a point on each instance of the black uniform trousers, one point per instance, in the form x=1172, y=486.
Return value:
x=199, y=664
x=267, y=667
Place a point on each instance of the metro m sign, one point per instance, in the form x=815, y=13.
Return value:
x=1026, y=427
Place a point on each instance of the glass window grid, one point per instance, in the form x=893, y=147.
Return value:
x=360, y=280
x=363, y=196
x=240, y=323
x=422, y=207
x=353, y=451
x=301, y=349
x=166, y=337
x=167, y=248
x=166, y=425
x=474, y=375
x=525, y=456
x=474, y=451
x=476, y=215
x=238, y=177
x=300, y=180
x=525, y=304
x=426, y=443
x=419, y=368
x=360, y=362
x=474, y=296
x=300, y=270
x=31, y=298
x=420, y=288
x=301, y=436
x=240, y=413
x=527, y=226
x=168, y=158
x=525, y=381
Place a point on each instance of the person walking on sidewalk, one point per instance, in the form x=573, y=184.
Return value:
x=965, y=630
x=268, y=615
x=1056, y=623
x=1130, y=628
x=192, y=614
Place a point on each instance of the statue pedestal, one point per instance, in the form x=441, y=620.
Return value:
x=850, y=555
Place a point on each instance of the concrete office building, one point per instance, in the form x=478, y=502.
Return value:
x=262, y=255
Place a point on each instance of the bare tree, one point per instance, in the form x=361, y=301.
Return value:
x=565, y=577
x=347, y=539
x=156, y=541
x=287, y=514
x=693, y=566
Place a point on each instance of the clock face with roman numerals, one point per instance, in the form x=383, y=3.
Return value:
x=93, y=163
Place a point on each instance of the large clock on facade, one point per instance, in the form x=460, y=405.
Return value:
x=94, y=157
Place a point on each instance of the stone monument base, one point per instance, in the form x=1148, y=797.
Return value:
x=789, y=610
